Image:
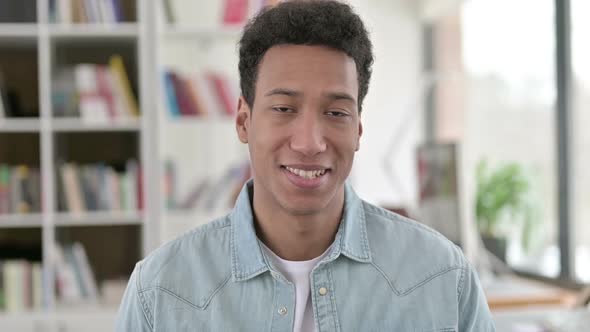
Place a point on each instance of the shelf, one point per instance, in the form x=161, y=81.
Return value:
x=19, y=125
x=18, y=30
x=99, y=218
x=77, y=31
x=199, y=120
x=21, y=220
x=78, y=125
x=186, y=32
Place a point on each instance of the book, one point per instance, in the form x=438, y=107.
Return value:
x=2, y=292
x=67, y=287
x=223, y=92
x=173, y=107
x=183, y=100
x=86, y=273
x=235, y=12
x=92, y=105
x=122, y=82
x=2, y=107
x=64, y=97
x=5, y=189
x=72, y=189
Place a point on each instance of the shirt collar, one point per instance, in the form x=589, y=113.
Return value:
x=246, y=255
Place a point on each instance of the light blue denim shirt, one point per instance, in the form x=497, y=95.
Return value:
x=382, y=273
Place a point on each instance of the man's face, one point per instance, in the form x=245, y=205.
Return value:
x=304, y=127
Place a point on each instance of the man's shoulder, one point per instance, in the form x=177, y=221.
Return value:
x=198, y=257
x=407, y=251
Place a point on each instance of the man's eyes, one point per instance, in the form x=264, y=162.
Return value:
x=334, y=113
x=283, y=109
x=338, y=114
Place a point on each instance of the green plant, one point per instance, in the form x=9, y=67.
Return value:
x=502, y=195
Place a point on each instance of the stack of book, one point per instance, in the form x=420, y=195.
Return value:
x=98, y=187
x=75, y=281
x=200, y=94
x=207, y=193
x=20, y=189
x=96, y=93
x=86, y=11
x=20, y=285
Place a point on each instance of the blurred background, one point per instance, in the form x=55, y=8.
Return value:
x=117, y=135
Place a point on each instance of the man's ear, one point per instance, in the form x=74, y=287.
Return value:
x=358, y=140
x=243, y=120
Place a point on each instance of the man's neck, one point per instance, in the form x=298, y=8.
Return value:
x=298, y=238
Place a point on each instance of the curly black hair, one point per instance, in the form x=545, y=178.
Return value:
x=305, y=22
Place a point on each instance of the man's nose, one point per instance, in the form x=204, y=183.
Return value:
x=308, y=135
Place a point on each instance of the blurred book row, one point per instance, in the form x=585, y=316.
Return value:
x=96, y=93
x=207, y=193
x=87, y=11
x=20, y=285
x=74, y=278
x=199, y=94
x=20, y=189
x=99, y=187
x=234, y=12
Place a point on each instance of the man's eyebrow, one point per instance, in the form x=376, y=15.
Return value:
x=294, y=93
x=283, y=91
x=340, y=96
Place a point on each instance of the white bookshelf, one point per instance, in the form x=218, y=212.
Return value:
x=192, y=46
x=16, y=125
x=78, y=125
x=99, y=218
x=49, y=42
x=196, y=33
x=19, y=30
x=21, y=220
x=204, y=146
x=95, y=30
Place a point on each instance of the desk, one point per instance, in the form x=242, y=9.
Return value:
x=511, y=292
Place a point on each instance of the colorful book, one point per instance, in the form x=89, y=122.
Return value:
x=122, y=82
x=235, y=12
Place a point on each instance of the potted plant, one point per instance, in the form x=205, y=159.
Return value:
x=501, y=205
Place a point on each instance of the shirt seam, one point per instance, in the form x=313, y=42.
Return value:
x=178, y=297
x=416, y=286
x=144, y=305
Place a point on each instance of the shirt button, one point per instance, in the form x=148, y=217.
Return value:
x=282, y=311
x=323, y=291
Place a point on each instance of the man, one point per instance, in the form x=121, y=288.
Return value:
x=300, y=251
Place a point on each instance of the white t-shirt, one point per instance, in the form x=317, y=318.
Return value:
x=298, y=273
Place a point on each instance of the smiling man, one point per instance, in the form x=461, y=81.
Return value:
x=300, y=251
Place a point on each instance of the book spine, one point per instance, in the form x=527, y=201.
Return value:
x=173, y=107
x=118, y=69
x=235, y=11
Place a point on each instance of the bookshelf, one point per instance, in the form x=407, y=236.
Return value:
x=33, y=135
x=44, y=135
x=192, y=46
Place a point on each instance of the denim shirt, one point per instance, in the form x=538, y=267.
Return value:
x=382, y=273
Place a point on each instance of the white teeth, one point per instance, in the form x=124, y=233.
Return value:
x=306, y=174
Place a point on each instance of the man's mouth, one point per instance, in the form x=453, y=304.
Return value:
x=308, y=173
